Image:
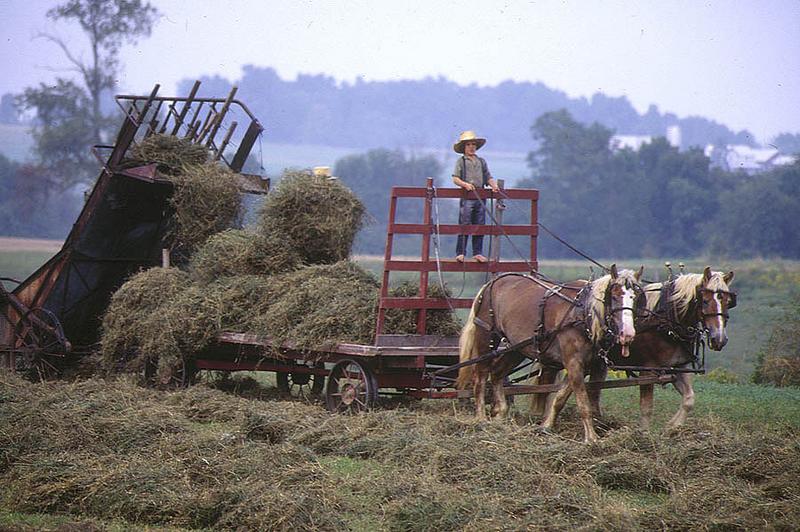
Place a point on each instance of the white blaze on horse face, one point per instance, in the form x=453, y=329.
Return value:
x=628, y=298
x=719, y=337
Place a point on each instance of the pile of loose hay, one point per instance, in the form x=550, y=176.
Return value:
x=287, y=279
x=134, y=328
x=317, y=217
x=206, y=197
x=206, y=200
x=241, y=252
x=169, y=152
x=201, y=458
x=161, y=315
x=779, y=361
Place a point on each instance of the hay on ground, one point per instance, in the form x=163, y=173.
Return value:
x=317, y=217
x=203, y=458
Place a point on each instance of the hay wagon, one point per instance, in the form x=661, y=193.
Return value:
x=417, y=365
x=53, y=317
x=412, y=365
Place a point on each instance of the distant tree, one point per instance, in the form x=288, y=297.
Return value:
x=69, y=115
x=372, y=175
x=679, y=197
x=788, y=143
x=9, y=114
x=656, y=201
x=316, y=109
x=758, y=217
x=27, y=209
x=571, y=167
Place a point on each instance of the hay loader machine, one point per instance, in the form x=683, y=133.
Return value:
x=53, y=316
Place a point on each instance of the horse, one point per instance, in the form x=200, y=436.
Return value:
x=679, y=312
x=557, y=325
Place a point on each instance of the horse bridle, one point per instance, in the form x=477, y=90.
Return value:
x=639, y=302
x=724, y=313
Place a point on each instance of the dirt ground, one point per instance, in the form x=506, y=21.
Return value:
x=29, y=244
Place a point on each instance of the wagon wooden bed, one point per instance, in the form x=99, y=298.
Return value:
x=419, y=365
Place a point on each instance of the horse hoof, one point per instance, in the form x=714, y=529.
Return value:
x=544, y=430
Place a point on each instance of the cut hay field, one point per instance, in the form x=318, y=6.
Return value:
x=95, y=455
x=231, y=453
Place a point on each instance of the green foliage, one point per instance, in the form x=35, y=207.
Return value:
x=758, y=216
x=28, y=205
x=657, y=201
x=779, y=361
x=372, y=175
x=64, y=130
x=722, y=376
x=68, y=113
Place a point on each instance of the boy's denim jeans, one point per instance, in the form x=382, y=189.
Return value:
x=471, y=212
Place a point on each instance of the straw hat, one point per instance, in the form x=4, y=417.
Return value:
x=323, y=171
x=465, y=136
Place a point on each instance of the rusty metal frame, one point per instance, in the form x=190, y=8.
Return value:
x=142, y=116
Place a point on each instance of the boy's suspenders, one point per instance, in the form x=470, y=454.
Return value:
x=464, y=169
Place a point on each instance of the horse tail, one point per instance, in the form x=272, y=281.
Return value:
x=468, y=345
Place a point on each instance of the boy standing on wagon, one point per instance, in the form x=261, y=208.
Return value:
x=470, y=173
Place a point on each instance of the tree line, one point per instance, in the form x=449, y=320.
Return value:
x=316, y=109
x=658, y=201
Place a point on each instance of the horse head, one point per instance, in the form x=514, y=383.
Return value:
x=622, y=299
x=714, y=300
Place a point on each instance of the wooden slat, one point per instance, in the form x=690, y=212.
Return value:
x=419, y=303
x=456, y=229
x=458, y=193
x=451, y=265
x=348, y=349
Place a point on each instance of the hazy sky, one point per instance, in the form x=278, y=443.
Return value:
x=737, y=62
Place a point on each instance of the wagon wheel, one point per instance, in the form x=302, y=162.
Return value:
x=303, y=385
x=40, y=344
x=183, y=375
x=351, y=387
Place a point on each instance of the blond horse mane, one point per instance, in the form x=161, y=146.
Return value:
x=685, y=289
x=597, y=307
